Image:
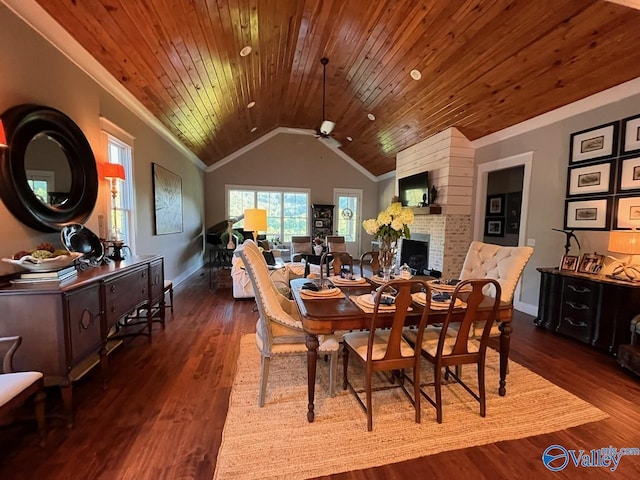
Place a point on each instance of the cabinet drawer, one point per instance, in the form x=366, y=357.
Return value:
x=579, y=309
x=83, y=323
x=124, y=294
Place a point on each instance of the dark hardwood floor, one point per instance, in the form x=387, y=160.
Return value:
x=163, y=411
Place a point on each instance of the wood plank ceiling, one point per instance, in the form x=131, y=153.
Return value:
x=485, y=65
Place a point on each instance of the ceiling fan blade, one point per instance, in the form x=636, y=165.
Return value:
x=330, y=141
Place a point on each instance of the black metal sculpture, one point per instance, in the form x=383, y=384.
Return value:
x=570, y=235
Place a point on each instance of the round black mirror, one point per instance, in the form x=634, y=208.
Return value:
x=48, y=175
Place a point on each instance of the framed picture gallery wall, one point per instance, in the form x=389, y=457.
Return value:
x=603, y=177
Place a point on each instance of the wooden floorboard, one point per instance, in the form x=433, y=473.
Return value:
x=162, y=413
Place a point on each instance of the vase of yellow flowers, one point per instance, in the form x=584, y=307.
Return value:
x=387, y=228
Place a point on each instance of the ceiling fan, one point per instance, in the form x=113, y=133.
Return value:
x=324, y=131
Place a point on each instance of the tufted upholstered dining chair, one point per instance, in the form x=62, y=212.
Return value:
x=300, y=245
x=503, y=264
x=17, y=387
x=382, y=350
x=279, y=329
x=449, y=345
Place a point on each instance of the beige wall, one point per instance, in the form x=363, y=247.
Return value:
x=290, y=160
x=33, y=71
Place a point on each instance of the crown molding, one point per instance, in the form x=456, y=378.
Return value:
x=39, y=20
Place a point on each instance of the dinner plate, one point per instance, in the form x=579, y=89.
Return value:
x=368, y=301
x=420, y=298
x=348, y=281
x=329, y=292
x=445, y=287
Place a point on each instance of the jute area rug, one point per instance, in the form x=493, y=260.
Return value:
x=277, y=442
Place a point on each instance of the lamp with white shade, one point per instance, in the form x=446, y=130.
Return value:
x=255, y=220
x=627, y=242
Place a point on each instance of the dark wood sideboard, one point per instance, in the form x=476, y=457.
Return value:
x=595, y=310
x=67, y=327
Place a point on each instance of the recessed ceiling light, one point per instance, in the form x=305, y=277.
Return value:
x=251, y=104
x=254, y=129
x=350, y=139
x=371, y=116
x=245, y=51
x=416, y=75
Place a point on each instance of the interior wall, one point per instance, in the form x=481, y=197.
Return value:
x=290, y=160
x=550, y=146
x=33, y=71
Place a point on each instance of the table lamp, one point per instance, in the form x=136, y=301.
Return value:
x=113, y=172
x=255, y=219
x=627, y=242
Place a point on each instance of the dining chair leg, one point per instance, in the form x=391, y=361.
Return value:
x=367, y=387
x=264, y=374
x=481, y=390
x=333, y=373
x=437, y=373
x=345, y=365
x=39, y=408
x=416, y=392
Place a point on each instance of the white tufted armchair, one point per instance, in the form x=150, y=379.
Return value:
x=279, y=329
x=504, y=264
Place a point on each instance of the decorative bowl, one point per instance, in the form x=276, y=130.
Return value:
x=34, y=264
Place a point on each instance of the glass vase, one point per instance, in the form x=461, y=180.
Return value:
x=386, y=257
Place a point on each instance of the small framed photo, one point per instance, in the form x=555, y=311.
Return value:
x=495, y=205
x=627, y=211
x=591, y=263
x=631, y=134
x=319, y=224
x=494, y=227
x=629, y=174
x=596, y=143
x=569, y=263
x=587, y=214
x=591, y=179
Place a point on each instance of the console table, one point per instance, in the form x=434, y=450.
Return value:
x=595, y=310
x=65, y=326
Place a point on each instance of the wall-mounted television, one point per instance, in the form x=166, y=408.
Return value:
x=414, y=190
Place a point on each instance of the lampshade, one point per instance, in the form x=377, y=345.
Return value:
x=3, y=137
x=255, y=220
x=111, y=170
x=625, y=241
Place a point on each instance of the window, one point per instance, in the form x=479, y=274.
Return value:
x=287, y=209
x=119, y=149
x=41, y=183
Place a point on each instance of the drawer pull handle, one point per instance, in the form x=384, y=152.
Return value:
x=113, y=289
x=579, y=289
x=113, y=309
x=577, y=306
x=144, y=274
x=86, y=319
x=573, y=323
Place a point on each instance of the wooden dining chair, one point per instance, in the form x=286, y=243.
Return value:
x=385, y=349
x=449, y=346
x=369, y=260
x=335, y=261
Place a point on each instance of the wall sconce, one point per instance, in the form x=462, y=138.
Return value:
x=627, y=242
x=3, y=137
x=113, y=172
x=255, y=219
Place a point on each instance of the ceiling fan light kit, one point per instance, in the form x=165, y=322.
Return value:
x=326, y=127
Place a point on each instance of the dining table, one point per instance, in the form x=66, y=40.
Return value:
x=324, y=316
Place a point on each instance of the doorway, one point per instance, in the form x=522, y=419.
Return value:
x=503, y=209
x=347, y=217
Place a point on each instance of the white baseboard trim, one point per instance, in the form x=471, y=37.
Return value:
x=187, y=273
x=526, y=308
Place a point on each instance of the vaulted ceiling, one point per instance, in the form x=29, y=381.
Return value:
x=484, y=65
